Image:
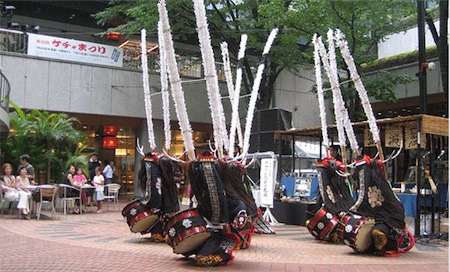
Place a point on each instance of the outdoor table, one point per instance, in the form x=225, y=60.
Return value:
x=409, y=202
x=291, y=213
x=85, y=187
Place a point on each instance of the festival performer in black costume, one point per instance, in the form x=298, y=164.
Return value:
x=241, y=205
x=207, y=186
x=160, y=200
x=378, y=201
x=336, y=196
x=239, y=172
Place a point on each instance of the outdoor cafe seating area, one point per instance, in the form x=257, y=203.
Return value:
x=52, y=200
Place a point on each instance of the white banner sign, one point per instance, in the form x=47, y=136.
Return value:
x=80, y=51
x=267, y=181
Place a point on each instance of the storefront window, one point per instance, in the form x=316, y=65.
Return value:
x=123, y=155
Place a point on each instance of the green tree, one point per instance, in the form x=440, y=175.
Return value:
x=441, y=40
x=364, y=23
x=49, y=138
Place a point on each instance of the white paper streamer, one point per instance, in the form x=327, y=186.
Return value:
x=237, y=91
x=235, y=123
x=164, y=89
x=147, y=99
x=343, y=45
x=320, y=94
x=344, y=113
x=175, y=82
x=254, y=94
x=212, y=82
x=335, y=90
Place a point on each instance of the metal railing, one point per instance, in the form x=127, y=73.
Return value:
x=13, y=41
x=188, y=65
x=5, y=89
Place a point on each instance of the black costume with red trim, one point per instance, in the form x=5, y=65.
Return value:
x=224, y=200
x=157, y=182
x=336, y=196
x=337, y=190
x=377, y=200
x=208, y=189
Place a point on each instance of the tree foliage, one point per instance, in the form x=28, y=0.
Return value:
x=49, y=138
x=363, y=22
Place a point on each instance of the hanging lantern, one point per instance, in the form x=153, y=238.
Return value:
x=109, y=142
x=110, y=130
x=113, y=36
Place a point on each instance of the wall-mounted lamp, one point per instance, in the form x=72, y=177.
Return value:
x=429, y=65
x=8, y=12
x=13, y=26
x=426, y=65
x=36, y=29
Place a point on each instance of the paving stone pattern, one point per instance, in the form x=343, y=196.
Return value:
x=103, y=242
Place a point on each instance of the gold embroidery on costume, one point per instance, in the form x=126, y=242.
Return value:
x=379, y=239
x=330, y=194
x=157, y=238
x=209, y=260
x=375, y=197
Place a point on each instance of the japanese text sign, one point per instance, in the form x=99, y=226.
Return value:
x=267, y=181
x=394, y=137
x=73, y=50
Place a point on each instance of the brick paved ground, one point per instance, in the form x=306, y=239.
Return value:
x=102, y=242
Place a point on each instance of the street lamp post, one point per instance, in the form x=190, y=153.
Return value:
x=422, y=56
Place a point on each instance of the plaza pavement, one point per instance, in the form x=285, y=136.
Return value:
x=103, y=242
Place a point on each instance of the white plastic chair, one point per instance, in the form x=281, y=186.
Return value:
x=47, y=195
x=63, y=195
x=113, y=194
x=4, y=202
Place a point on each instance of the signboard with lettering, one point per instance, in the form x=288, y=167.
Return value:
x=68, y=49
x=394, y=137
x=411, y=140
x=267, y=182
x=368, y=138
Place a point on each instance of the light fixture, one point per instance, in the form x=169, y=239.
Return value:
x=109, y=142
x=113, y=36
x=425, y=65
x=8, y=11
x=36, y=29
x=429, y=65
x=14, y=26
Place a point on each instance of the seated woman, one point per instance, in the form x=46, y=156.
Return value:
x=69, y=180
x=14, y=188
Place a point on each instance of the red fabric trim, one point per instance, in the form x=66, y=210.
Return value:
x=180, y=216
x=364, y=159
x=323, y=163
x=208, y=157
x=130, y=206
x=183, y=235
x=138, y=217
x=152, y=157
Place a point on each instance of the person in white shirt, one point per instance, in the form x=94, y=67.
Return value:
x=108, y=173
x=99, y=182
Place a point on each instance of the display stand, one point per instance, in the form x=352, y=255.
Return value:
x=268, y=216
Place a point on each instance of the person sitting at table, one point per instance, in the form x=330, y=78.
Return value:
x=99, y=182
x=69, y=180
x=8, y=182
x=80, y=180
x=16, y=188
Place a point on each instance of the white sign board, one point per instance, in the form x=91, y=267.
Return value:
x=68, y=49
x=267, y=181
